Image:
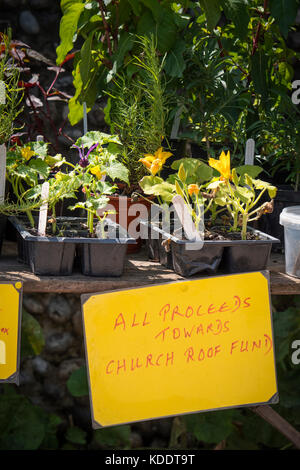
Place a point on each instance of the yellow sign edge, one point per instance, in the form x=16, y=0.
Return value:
x=15, y=377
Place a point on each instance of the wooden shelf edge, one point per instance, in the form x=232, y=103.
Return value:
x=138, y=272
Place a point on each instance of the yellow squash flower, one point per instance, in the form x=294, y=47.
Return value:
x=193, y=189
x=159, y=155
x=155, y=162
x=222, y=165
x=96, y=170
x=154, y=165
x=27, y=153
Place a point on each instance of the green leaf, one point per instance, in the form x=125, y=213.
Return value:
x=182, y=173
x=259, y=72
x=284, y=12
x=115, y=437
x=147, y=183
x=244, y=194
x=125, y=44
x=196, y=171
x=165, y=190
x=40, y=148
x=77, y=383
x=67, y=29
x=136, y=6
x=175, y=63
x=237, y=12
x=251, y=170
x=87, y=62
x=92, y=137
x=33, y=340
x=22, y=424
x=118, y=171
x=211, y=427
x=40, y=166
x=76, y=435
x=75, y=106
x=164, y=29
x=212, y=11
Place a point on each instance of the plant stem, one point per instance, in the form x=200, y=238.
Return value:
x=30, y=218
x=244, y=226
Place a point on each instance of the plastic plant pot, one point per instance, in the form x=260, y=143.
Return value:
x=216, y=256
x=51, y=255
x=290, y=220
x=2, y=229
x=156, y=249
x=248, y=255
x=184, y=256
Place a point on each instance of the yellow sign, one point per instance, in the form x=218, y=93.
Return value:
x=10, y=326
x=179, y=348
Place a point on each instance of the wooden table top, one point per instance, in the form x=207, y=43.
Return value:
x=138, y=272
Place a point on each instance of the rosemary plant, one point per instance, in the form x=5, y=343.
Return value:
x=10, y=93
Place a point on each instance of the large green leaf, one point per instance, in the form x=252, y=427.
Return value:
x=76, y=435
x=175, y=63
x=40, y=166
x=211, y=427
x=87, y=63
x=77, y=383
x=33, y=340
x=22, y=426
x=75, y=106
x=237, y=12
x=212, y=11
x=67, y=30
x=196, y=171
x=284, y=12
x=259, y=72
x=147, y=183
x=92, y=137
x=117, y=171
x=251, y=170
x=165, y=29
x=115, y=437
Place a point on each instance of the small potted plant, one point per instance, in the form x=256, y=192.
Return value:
x=137, y=112
x=53, y=252
x=227, y=201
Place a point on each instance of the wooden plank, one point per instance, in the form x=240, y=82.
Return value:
x=279, y=423
x=138, y=271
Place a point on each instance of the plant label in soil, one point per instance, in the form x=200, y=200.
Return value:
x=249, y=153
x=181, y=347
x=10, y=328
x=43, y=210
x=186, y=220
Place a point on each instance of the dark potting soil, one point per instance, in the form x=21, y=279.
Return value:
x=69, y=230
x=219, y=233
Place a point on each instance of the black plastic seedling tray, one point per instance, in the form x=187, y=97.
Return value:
x=214, y=256
x=54, y=256
x=2, y=229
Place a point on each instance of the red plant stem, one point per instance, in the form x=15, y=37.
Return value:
x=258, y=31
x=106, y=27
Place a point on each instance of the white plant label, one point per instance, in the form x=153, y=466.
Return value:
x=2, y=172
x=249, y=154
x=2, y=92
x=43, y=210
x=186, y=220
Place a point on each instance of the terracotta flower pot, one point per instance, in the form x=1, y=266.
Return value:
x=128, y=213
